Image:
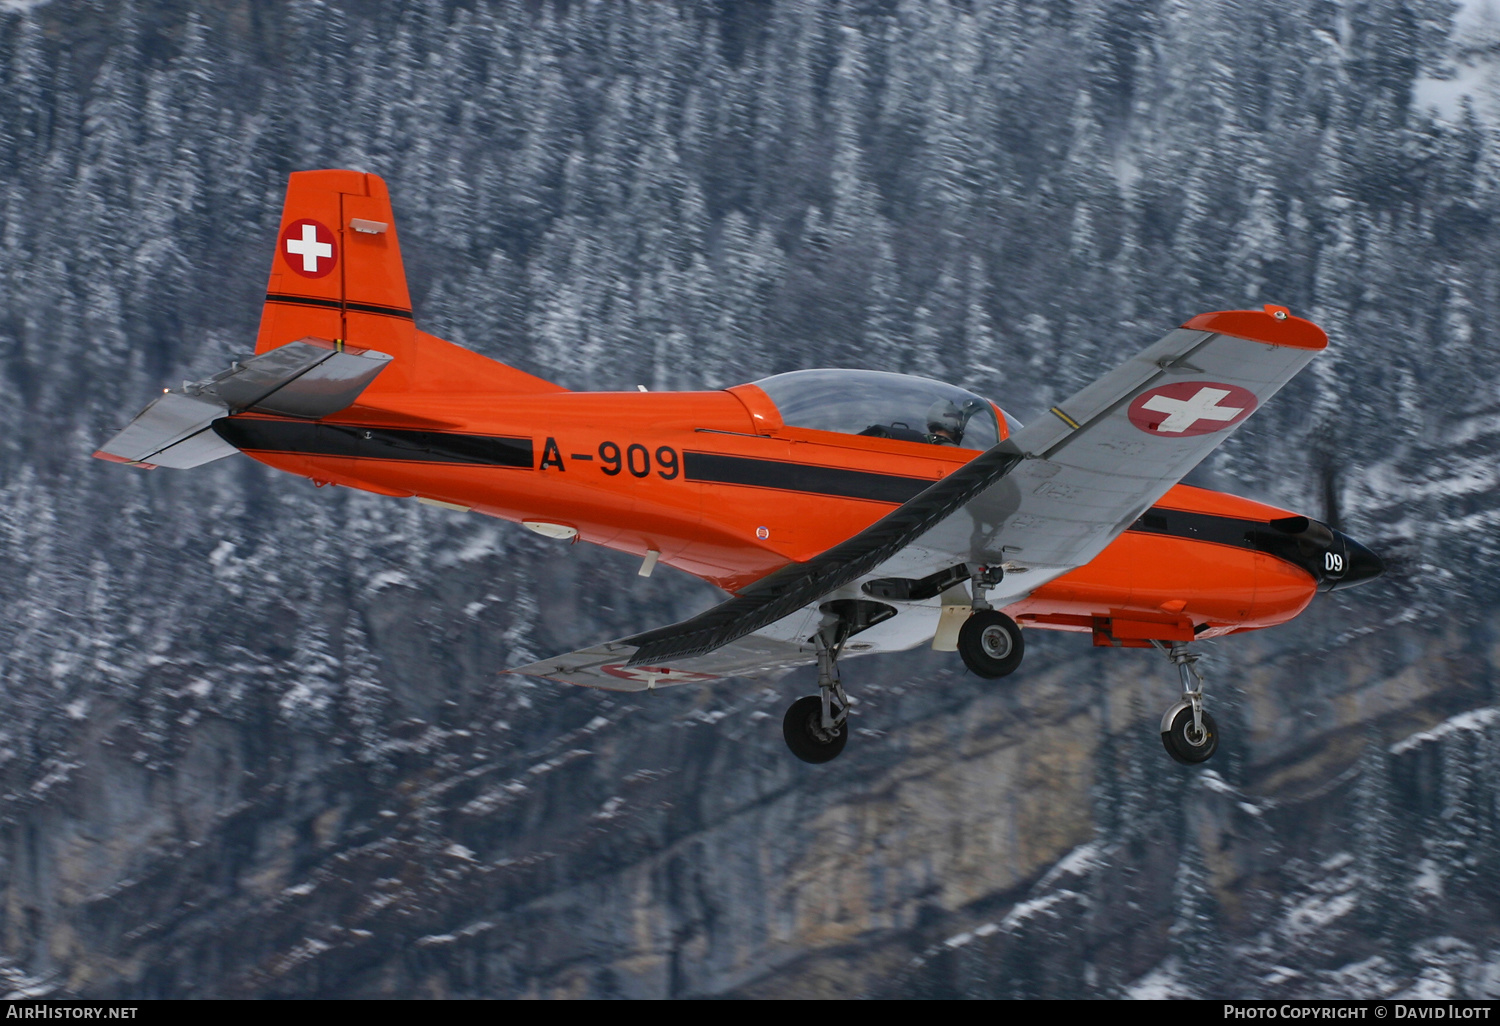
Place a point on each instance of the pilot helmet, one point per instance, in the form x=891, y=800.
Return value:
x=945, y=422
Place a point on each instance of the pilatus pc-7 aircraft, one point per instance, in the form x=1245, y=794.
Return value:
x=845, y=511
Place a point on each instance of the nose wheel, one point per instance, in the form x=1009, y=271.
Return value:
x=1188, y=732
x=1188, y=740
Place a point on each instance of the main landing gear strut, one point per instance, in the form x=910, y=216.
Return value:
x=816, y=727
x=1188, y=732
x=989, y=641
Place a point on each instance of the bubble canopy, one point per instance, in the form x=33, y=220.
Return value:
x=883, y=405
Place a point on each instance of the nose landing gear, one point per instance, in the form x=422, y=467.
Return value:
x=1188, y=732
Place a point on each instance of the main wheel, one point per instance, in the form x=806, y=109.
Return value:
x=1187, y=744
x=803, y=729
x=991, y=643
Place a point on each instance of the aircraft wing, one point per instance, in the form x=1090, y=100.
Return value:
x=1099, y=460
x=1044, y=501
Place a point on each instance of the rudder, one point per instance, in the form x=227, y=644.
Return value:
x=337, y=275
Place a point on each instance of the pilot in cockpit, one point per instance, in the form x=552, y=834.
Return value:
x=945, y=423
x=946, y=420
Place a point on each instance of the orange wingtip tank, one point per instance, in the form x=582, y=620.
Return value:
x=1273, y=325
x=100, y=454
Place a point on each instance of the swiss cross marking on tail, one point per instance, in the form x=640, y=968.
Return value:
x=309, y=248
x=1185, y=408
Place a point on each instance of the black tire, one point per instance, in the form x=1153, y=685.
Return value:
x=1182, y=744
x=991, y=644
x=802, y=726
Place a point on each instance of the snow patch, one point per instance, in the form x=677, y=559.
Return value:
x=1473, y=720
x=1484, y=980
x=1211, y=780
x=388, y=579
x=1429, y=880
x=434, y=940
x=1037, y=907
x=482, y=544
x=1317, y=912
x=1280, y=974
x=1434, y=984
x=1081, y=861
x=1370, y=978
x=557, y=761
x=309, y=949
x=1160, y=984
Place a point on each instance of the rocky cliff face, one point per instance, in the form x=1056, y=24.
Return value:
x=253, y=739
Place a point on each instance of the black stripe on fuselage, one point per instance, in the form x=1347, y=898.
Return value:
x=334, y=304
x=1208, y=527
x=716, y=468
x=1258, y=535
x=375, y=443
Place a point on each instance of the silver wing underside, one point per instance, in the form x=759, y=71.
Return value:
x=1044, y=502
x=1080, y=487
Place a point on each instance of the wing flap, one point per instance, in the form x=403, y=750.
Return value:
x=610, y=666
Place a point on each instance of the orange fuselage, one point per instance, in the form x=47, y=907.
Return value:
x=720, y=488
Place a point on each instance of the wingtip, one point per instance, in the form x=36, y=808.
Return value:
x=100, y=454
x=1273, y=325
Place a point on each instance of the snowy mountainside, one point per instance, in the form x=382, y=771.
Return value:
x=253, y=739
x=1393, y=901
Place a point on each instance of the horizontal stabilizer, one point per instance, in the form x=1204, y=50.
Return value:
x=171, y=419
x=310, y=379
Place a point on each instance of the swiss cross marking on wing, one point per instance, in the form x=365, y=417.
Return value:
x=1185, y=408
x=309, y=248
x=654, y=675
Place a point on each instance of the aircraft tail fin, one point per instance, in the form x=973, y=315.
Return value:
x=337, y=275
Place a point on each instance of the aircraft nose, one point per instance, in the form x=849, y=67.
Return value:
x=1360, y=564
